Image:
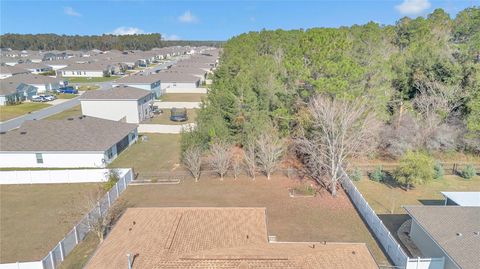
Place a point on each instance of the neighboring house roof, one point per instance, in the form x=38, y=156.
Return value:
x=116, y=93
x=33, y=79
x=78, y=134
x=33, y=66
x=174, y=76
x=139, y=78
x=461, y=198
x=214, y=238
x=13, y=70
x=9, y=87
x=86, y=67
x=455, y=229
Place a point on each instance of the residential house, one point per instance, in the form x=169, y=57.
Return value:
x=212, y=237
x=450, y=232
x=8, y=71
x=12, y=92
x=177, y=79
x=142, y=81
x=35, y=68
x=42, y=83
x=132, y=105
x=75, y=142
x=86, y=70
x=462, y=198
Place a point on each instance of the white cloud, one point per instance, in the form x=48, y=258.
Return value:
x=127, y=31
x=187, y=17
x=71, y=12
x=413, y=7
x=170, y=37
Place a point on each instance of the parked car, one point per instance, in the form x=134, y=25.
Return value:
x=49, y=97
x=38, y=98
x=68, y=89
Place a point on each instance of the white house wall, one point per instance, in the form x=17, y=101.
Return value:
x=80, y=73
x=52, y=159
x=111, y=109
x=183, y=85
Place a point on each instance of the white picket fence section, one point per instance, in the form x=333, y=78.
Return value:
x=383, y=235
x=186, y=90
x=164, y=128
x=58, y=254
x=168, y=105
x=56, y=176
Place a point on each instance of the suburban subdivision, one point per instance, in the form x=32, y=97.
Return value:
x=309, y=134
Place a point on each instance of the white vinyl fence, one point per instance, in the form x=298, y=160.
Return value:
x=168, y=105
x=185, y=90
x=77, y=234
x=164, y=128
x=383, y=235
x=56, y=176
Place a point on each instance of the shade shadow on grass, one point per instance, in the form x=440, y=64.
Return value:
x=431, y=201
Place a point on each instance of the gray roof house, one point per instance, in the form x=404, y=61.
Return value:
x=14, y=92
x=75, y=142
x=142, y=81
x=43, y=83
x=8, y=71
x=452, y=232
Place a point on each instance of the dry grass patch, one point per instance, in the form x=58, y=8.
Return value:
x=182, y=97
x=34, y=218
x=72, y=112
x=164, y=118
x=13, y=111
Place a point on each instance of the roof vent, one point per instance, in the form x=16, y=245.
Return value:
x=459, y=234
x=70, y=119
x=474, y=233
x=23, y=132
x=2, y=133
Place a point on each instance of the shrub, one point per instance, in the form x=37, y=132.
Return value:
x=468, y=172
x=356, y=174
x=377, y=175
x=439, y=172
x=113, y=177
x=415, y=168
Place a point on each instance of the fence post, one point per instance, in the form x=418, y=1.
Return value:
x=99, y=209
x=108, y=199
x=62, y=256
x=76, y=234
x=51, y=259
x=124, y=182
x=116, y=187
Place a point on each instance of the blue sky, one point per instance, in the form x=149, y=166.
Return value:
x=205, y=20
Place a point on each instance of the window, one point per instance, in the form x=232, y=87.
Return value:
x=39, y=157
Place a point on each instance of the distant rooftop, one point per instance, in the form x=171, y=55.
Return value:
x=116, y=93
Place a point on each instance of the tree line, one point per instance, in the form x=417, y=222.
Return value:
x=331, y=94
x=104, y=42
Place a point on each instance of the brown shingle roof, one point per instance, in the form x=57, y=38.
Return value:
x=444, y=223
x=214, y=238
x=85, y=134
x=116, y=93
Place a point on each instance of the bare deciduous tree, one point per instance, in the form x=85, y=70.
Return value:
x=340, y=129
x=99, y=220
x=236, y=165
x=249, y=159
x=269, y=152
x=192, y=159
x=220, y=157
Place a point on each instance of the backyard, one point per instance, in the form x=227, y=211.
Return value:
x=164, y=118
x=321, y=218
x=90, y=80
x=72, y=112
x=35, y=217
x=88, y=87
x=157, y=152
x=182, y=97
x=13, y=111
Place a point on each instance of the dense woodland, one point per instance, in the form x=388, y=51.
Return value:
x=102, y=42
x=413, y=86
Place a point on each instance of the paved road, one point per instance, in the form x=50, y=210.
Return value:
x=37, y=115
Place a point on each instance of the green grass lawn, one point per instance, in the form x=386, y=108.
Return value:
x=72, y=112
x=66, y=96
x=90, y=80
x=13, y=111
x=158, y=152
x=165, y=118
x=182, y=97
x=34, y=218
x=88, y=87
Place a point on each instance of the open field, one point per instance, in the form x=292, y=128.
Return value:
x=182, y=97
x=72, y=112
x=158, y=152
x=90, y=80
x=13, y=111
x=35, y=217
x=164, y=118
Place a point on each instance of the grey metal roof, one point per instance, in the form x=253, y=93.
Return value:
x=454, y=229
x=116, y=93
x=79, y=134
